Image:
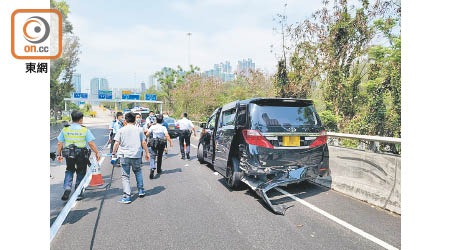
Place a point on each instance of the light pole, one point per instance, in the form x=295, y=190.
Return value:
x=189, y=48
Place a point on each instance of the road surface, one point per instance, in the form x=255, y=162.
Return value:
x=189, y=206
x=57, y=170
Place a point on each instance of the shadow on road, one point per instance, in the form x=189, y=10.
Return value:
x=301, y=190
x=154, y=191
x=76, y=215
x=171, y=171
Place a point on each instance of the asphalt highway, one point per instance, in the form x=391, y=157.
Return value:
x=57, y=171
x=189, y=206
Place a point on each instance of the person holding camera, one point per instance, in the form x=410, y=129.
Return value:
x=129, y=145
x=74, y=139
x=158, y=137
x=151, y=119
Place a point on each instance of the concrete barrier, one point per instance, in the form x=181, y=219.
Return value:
x=367, y=176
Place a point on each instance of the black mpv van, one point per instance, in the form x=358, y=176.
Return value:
x=265, y=143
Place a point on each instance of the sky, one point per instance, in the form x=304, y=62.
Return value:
x=126, y=41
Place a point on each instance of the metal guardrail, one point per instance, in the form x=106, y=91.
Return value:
x=357, y=137
x=366, y=137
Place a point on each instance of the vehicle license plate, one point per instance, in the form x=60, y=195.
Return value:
x=171, y=127
x=291, y=141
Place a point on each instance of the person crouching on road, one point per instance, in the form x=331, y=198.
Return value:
x=185, y=136
x=129, y=145
x=74, y=138
x=158, y=139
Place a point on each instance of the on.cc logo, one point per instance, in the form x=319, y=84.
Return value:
x=36, y=29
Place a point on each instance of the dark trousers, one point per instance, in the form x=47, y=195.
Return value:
x=156, y=155
x=78, y=165
x=112, y=143
x=185, y=137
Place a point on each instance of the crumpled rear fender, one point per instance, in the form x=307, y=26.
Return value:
x=262, y=185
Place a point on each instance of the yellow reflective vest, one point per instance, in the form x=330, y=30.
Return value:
x=77, y=137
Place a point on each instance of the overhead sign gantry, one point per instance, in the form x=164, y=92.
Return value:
x=107, y=97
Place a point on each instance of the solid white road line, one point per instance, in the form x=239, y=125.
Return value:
x=192, y=145
x=338, y=221
x=73, y=200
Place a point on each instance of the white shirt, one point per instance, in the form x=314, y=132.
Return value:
x=185, y=124
x=158, y=131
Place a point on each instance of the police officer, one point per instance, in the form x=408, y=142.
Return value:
x=159, y=133
x=185, y=135
x=113, y=127
x=74, y=139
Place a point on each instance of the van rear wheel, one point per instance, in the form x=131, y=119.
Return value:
x=233, y=174
x=200, y=153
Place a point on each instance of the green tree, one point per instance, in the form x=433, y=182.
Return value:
x=169, y=79
x=62, y=68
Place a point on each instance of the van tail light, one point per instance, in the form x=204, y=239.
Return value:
x=178, y=126
x=254, y=137
x=320, y=140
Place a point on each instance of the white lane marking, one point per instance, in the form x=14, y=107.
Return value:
x=215, y=173
x=192, y=145
x=338, y=221
x=73, y=200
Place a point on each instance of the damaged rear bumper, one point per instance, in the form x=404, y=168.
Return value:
x=261, y=185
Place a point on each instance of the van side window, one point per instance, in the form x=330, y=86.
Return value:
x=242, y=115
x=211, y=122
x=220, y=123
x=228, y=117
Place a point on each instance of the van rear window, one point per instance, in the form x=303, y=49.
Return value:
x=282, y=116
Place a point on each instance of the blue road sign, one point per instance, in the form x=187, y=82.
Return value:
x=125, y=96
x=150, y=97
x=134, y=97
x=80, y=95
x=104, y=96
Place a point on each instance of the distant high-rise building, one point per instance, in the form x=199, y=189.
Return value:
x=143, y=88
x=245, y=67
x=76, y=82
x=98, y=84
x=104, y=85
x=222, y=71
x=95, y=86
x=153, y=82
x=226, y=67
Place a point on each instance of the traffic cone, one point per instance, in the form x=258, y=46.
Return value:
x=97, y=179
x=184, y=147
